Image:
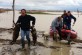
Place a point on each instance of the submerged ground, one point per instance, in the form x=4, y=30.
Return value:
x=43, y=47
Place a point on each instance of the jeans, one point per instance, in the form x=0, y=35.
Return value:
x=23, y=34
x=68, y=26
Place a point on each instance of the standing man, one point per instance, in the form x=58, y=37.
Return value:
x=24, y=21
x=68, y=20
x=57, y=25
x=64, y=16
x=67, y=23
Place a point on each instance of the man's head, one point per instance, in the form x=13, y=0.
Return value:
x=59, y=18
x=69, y=13
x=64, y=11
x=23, y=12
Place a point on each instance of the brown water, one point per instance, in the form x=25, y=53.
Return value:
x=49, y=47
x=43, y=22
x=43, y=47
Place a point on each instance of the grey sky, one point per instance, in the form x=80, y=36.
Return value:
x=43, y=4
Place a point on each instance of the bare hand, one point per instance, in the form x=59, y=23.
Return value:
x=73, y=24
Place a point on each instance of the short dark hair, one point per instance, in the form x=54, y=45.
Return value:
x=69, y=11
x=23, y=9
x=64, y=10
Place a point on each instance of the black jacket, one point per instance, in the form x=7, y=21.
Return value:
x=69, y=18
x=24, y=22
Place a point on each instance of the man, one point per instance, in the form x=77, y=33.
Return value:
x=57, y=25
x=24, y=21
x=64, y=16
x=67, y=20
x=67, y=23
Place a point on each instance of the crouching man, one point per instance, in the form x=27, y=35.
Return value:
x=56, y=25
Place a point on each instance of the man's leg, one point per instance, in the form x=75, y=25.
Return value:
x=22, y=38
x=69, y=39
x=28, y=37
x=54, y=34
x=68, y=26
x=59, y=32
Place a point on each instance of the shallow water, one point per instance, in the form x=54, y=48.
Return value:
x=43, y=47
x=43, y=22
x=49, y=47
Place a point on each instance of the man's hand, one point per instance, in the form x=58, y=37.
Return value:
x=32, y=25
x=65, y=26
x=73, y=24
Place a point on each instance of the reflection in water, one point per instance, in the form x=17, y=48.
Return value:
x=25, y=52
x=34, y=52
x=46, y=42
x=47, y=47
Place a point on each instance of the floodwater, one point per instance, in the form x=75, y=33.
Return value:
x=43, y=22
x=47, y=47
x=43, y=47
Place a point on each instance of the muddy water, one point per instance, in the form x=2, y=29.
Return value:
x=43, y=47
x=48, y=47
x=42, y=21
x=57, y=49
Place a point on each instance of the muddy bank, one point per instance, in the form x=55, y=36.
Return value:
x=47, y=47
x=5, y=29
x=78, y=40
x=10, y=31
x=40, y=49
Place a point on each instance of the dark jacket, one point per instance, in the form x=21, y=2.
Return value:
x=67, y=19
x=64, y=16
x=24, y=21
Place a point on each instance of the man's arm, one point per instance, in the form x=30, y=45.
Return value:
x=54, y=24
x=62, y=15
x=61, y=23
x=18, y=21
x=73, y=18
x=33, y=20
